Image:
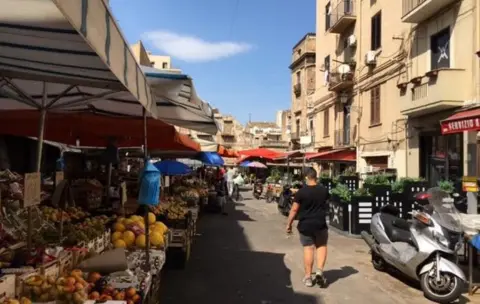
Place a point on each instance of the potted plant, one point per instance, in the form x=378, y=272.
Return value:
x=326, y=180
x=349, y=177
x=446, y=186
x=362, y=210
x=338, y=215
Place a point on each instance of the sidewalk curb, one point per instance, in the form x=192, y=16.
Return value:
x=344, y=233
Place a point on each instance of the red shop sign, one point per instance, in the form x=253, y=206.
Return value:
x=458, y=126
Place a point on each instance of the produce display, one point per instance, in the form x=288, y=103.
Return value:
x=69, y=214
x=11, y=190
x=130, y=232
x=73, y=233
x=172, y=208
x=99, y=290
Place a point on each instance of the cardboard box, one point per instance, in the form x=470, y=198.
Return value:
x=7, y=286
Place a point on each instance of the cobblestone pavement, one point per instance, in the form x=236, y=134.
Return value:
x=246, y=257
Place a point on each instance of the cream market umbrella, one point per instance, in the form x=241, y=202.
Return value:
x=178, y=103
x=60, y=55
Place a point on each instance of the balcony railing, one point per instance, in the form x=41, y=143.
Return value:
x=274, y=143
x=342, y=137
x=342, y=16
x=341, y=80
x=297, y=89
x=440, y=90
x=416, y=11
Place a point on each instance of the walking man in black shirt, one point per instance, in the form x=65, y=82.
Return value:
x=310, y=203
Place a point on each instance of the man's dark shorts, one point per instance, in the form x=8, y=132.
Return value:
x=318, y=239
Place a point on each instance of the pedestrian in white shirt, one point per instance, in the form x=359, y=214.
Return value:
x=230, y=178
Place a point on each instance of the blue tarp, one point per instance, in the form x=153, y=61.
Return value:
x=245, y=163
x=172, y=167
x=210, y=158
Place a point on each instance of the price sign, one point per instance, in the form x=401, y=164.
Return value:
x=469, y=184
x=123, y=194
x=32, y=189
x=59, y=176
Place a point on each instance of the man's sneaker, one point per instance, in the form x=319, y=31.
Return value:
x=320, y=280
x=308, y=281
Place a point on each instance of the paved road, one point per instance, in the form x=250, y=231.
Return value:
x=246, y=258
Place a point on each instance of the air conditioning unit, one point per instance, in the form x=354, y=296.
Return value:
x=371, y=58
x=352, y=41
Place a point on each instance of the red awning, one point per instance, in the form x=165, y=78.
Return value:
x=467, y=120
x=94, y=130
x=334, y=155
x=260, y=152
x=289, y=154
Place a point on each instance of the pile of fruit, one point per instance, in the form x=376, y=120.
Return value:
x=71, y=213
x=172, y=207
x=130, y=232
x=101, y=291
x=22, y=300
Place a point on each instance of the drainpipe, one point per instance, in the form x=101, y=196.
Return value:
x=359, y=94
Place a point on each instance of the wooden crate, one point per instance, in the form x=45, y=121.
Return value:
x=50, y=269
x=65, y=262
x=7, y=286
x=20, y=281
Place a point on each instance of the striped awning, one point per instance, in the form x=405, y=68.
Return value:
x=177, y=101
x=68, y=55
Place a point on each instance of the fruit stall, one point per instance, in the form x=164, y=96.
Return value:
x=64, y=239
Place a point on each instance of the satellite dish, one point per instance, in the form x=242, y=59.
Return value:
x=344, y=69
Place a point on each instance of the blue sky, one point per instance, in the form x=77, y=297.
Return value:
x=236, y=51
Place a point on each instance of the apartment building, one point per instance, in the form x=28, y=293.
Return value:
x=266, y=135
x=231, y=132
x=284, y=121
x=146, y=58
x=303, y=75
x=391, y=70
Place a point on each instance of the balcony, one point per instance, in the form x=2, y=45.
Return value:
x=295, y=136
x=439, y=90
x=416, y=11
x=342, y=16
x=297, y=89
x=342, y=138
x=274, y=144
x=340, y=81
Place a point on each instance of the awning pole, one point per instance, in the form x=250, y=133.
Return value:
x=41, y=131
x=145, y=160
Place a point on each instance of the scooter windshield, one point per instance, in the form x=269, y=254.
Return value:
x=444, y=211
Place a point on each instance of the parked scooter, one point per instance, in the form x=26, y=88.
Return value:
x=269, y=194
x=257, y=189
x=285, y=201
x=424, y=248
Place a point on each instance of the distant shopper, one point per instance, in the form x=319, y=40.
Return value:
x=221, y=189
x=310, y=203
x=230, y=178
x=237, y=183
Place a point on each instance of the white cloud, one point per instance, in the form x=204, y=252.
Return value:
x=194, y=49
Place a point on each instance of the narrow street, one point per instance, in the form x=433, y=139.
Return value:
x=246, y=257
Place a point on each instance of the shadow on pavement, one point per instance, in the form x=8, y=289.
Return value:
x=223, y=269
x=333, y=275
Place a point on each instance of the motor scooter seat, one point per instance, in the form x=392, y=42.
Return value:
x=394, y=232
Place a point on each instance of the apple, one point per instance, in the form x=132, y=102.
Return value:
x=130, y=292
x=94, y=296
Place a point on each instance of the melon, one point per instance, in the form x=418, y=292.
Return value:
x=156, y=238
x=141, y=241
x=129, y=238
x=119, y=244
x=119, y=227
x=151, y=218
x=116, y=236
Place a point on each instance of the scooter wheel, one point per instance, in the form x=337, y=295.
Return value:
x=447, y=290
x=378, y=262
